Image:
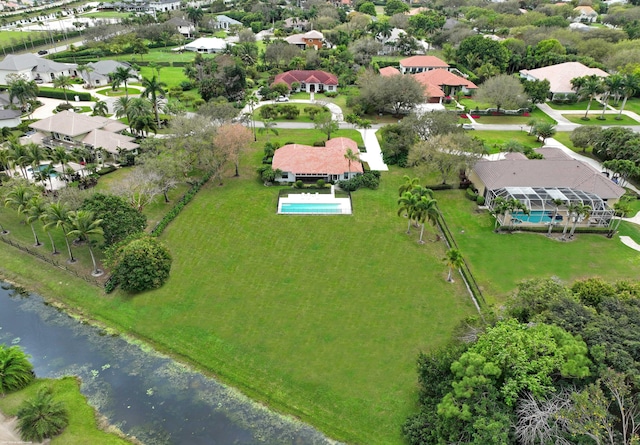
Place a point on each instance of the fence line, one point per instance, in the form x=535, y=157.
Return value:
x=51, y=261
x=468, y=277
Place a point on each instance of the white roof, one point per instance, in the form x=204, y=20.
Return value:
x=560, y=75
x=206, y=43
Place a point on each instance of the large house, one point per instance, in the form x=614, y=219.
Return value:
x=314, y=81
x=447, y=82
x=207, y=45
x=10, y=118
x=311, y=39
x=224, y=22
x=537, y=182
x=560, y=76
x=183, y=26
x=419, y=64
x=302, y=162
x=102, y=70
x=33, y=67
x=71, y=130
x=584, y=14
x=163, y=5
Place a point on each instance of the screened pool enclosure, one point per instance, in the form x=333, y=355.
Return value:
x=543, y=211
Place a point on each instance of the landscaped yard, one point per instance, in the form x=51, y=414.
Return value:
x=494, y=140
x=610, y=119
x=8, y=38
x=633, y=104
x=159, y=55
x=108, y=15
x=582, y=105
x=302, y=117
x=170, y=75
x=119, y=92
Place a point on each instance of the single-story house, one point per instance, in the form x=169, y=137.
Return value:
x=183, y=26
x=163, y=5
x=312, y=39
x=70, y=130
x=307, y=163
x=33, y=68
x=224, y=22
x=296, y=24
x=4, y=100
x=207, y=45
x=10, y=118
x=584, y=14
x=311, y=81
x=536, y=182
x=102, y=70
x=444, y=80
x=560, y=76
x=389, y=71
x=418, y=64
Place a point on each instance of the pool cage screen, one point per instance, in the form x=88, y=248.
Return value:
x=540, y=199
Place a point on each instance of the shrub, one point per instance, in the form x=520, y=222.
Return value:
x=120, y=220
x=321, y=183
x=318, y=144
x=299, y=184
x=16, y=371
x=471, y=194
x=187, y=85
x=63, y=107
x=479, y=200
x=57, y=93
x=369, y=180
x=42, y=417
x=331, y=94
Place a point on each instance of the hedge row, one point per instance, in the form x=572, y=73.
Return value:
x=182, y=202
x=57, y=93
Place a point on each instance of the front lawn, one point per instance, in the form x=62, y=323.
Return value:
x=302, y=117
x=633, y=104
x=582, y=105
x=494, y=140
x=119, y=92
x=170, y=75
x=159, y=55
x=610, y=119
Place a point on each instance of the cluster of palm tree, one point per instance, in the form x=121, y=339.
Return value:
x=140, y=111
x=541, y=129
x=418, y=205
x=577, y=211
x=617, y=87
x=21, y=89
x=79, y=225
x=503, y=207
x=16, y=371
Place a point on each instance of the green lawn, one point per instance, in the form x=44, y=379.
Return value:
x=121, y=91
x=633, y=104
x=108, y=15
x=8, y=38
x=610, y=119
x=531, y=255
x=494, y=140
x=582, y=105
x=160, y=55
x=170, y=75
x=537, y=114
x=307, y=137
x=302, y=117
x=82, y=428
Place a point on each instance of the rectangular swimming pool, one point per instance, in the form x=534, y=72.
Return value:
x=311, y=208
x=536, y=216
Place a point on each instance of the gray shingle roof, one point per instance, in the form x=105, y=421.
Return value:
x=20, y=62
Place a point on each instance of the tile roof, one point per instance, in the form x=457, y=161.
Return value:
x=306, y=76
x=109, y=141
x=299, y=39
x=328, y=160
x=73, y=124
x=558, y=172
x=388, y=71
x=9, y=114
x=560, y=75
x=442, y=78
x=424, y=61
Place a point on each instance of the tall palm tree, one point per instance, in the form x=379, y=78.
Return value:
x=350, y=156
x=65, y=83
x=60, y=155
x=268, y=126
x=87, y=69
x=152, y=89
x=37, y=211
x=590, y=88
x=195, y=15
x=409, y=184
x=19, y=198
x=36, y=154
x=407, y=203
x=426, y=209
x=139, y=108
x=144, y=123
x=121, y=76
x=16, y=371
x=83, y=225
x=5, y=161
x=581, y=211
x=18, y=155
x=121, y=107
x=42, y=417
x=630, y=86
x=22, y=90
x=571, y=211
x=454, y=260
x=57, y=217
x=556, y=203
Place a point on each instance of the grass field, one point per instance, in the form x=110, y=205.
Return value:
x=302, y=117
x=121, y=91
x=582, y=105
x=8, y=38
x=159, y=55
x=108, y=15
x=494, y=140
x=610, y=119
x=633, y=104
x=82, y=428
x=531, y=255
x=170, y=75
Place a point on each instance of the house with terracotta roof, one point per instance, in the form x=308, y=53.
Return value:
x=311, y=81
x=560, y=76
x=440, y=83
x=389, y=71
x=536, y=182
x=419, y=64
x=71, y=130
x=303, y=162
x=312, y=39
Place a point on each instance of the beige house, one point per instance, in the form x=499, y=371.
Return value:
x=560, y=76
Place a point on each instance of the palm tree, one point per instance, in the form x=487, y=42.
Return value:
x=630, y=86
x=84, y=224
x=121, y=107
x=87, y=69
x=60, y=155
x=268, y=126
x=36, y=154
x=195, y=15
x=514, y=205
x=557, y=203
x=37, y=211
x=16, y=371
x=18, y=155
x=42, y=417
x=121, y=76
x=571, y=210
x=139, y=108
x=252, y=101
x=22, y=89
x=409, y=184
x=499, y=207
x=591, y=86
x=152, y=89
x=350, y=156
x=581, y=211
x=57, y=216
x=545, y=130
x=407, y=203
x=5, y=161
x=100, y=108
x=426, y=209
x=454, y=260
x=65, y=83
x=19, y=198
x=144, y=123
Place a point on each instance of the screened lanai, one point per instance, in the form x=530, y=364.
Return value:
x=542, y=210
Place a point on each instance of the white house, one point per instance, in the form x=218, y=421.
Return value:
x=163, y=5
x=207, y=45
x=33, y=68
x=102, y=71
x=9, y=118
x=224, y=22
x=184, y=27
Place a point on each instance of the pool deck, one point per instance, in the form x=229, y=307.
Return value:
x=315, y=198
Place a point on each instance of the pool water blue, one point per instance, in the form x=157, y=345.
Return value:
x=535, y=216
x=41, y=168
x=310, y=207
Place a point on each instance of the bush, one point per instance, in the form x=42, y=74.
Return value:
x=57, y=93
x=42, y=417
x=321, y=183
x=331, y=94
x=187, y=85
x=369, y=180
x=106, y=170
x=299, y=184
x=318, y=144
x=479, y=200
x=471, y=194
x=63, y=107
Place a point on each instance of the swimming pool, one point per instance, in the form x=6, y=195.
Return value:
x=42, y=168
x=311, y=208
x=536, y=216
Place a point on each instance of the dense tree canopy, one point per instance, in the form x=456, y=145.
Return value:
x=119, y=219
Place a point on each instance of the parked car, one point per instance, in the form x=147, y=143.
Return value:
x=282, y=99
x=39, y=81
x=467, y=127
x=42, y=52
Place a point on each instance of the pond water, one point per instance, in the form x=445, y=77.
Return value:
x=145, y=394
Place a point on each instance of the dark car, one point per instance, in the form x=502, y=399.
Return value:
x=42, y=52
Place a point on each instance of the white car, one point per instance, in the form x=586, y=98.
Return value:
x=282, y=99
x=467, y=127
